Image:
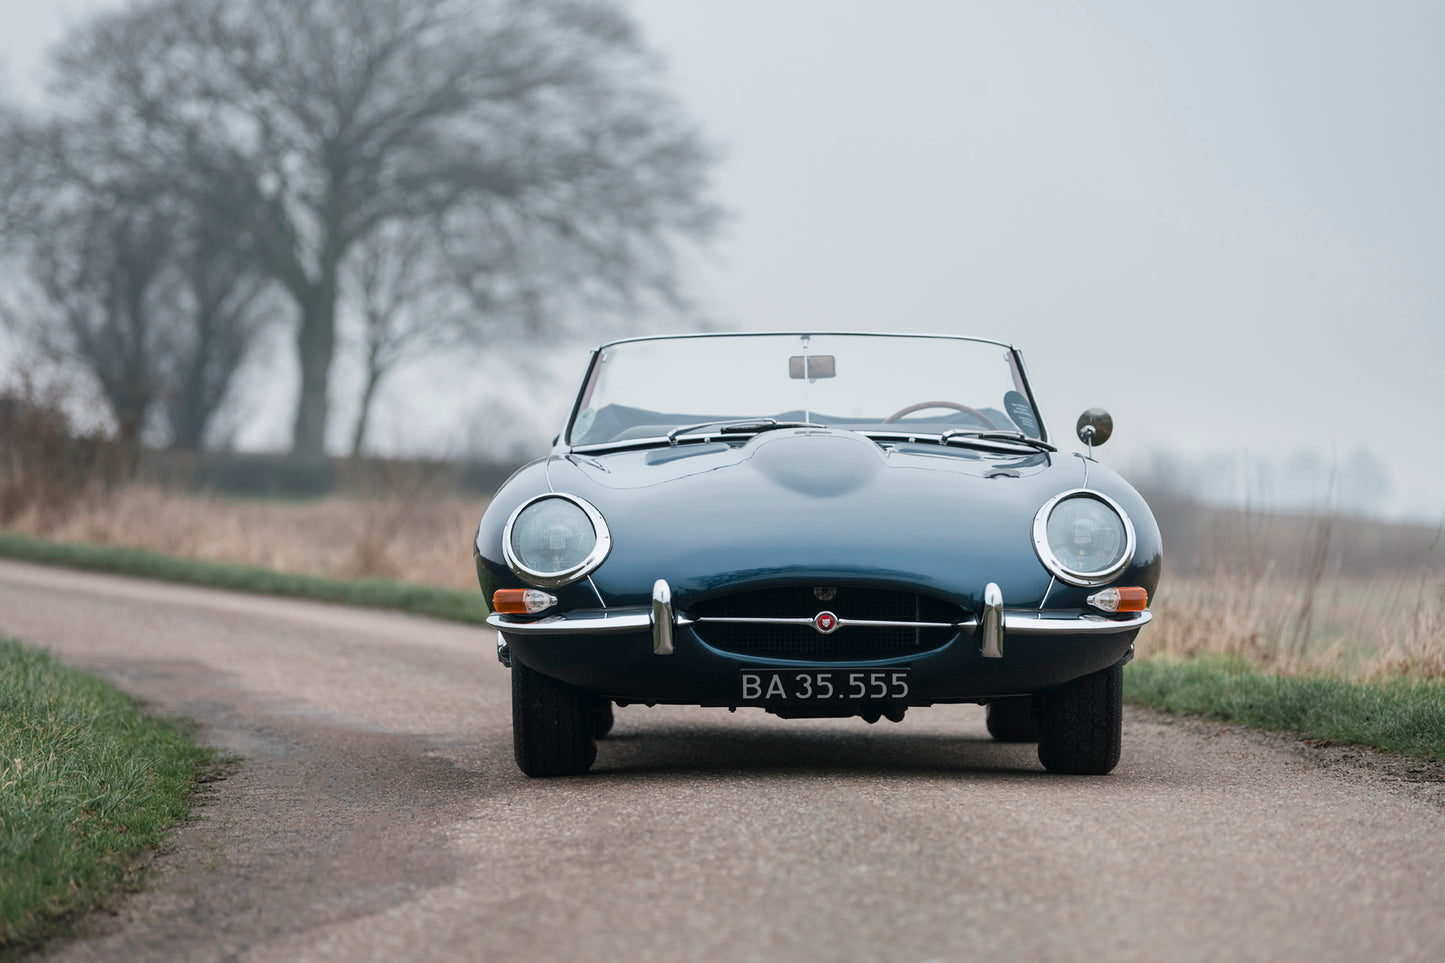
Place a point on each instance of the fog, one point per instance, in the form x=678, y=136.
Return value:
x=1222, y=222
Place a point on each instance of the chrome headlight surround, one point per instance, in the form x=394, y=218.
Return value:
x=567, y=576
x=1073, y=576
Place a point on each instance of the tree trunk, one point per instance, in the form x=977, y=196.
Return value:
x=188, y=426
x=189, y=410
x=373, y=378
x=315, y=344
x=130, y=409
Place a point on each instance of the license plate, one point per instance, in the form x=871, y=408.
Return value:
x=824, y=685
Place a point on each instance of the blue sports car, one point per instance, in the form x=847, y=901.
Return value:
x=817, y=525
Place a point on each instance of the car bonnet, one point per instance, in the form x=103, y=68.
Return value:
x=818, y=504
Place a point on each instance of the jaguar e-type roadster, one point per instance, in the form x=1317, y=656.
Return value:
x=817, y=525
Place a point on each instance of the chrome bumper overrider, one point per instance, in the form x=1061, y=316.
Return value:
x=661, y=621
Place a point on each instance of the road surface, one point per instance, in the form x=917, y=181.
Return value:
x=378, y=816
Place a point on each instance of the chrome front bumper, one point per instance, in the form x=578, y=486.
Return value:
x=662, y=621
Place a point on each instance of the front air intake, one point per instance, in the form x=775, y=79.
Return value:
x=792, y=622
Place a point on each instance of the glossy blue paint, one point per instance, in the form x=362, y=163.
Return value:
x=823, y=505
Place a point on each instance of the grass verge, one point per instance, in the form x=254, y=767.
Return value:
x=86, y=784
x=1395, y=713
x=443, y=603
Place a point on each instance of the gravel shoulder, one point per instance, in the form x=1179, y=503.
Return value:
x=377, y=815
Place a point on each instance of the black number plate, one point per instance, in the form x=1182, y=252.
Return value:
x=824, y=685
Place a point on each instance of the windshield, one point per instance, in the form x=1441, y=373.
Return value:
x=878, y=384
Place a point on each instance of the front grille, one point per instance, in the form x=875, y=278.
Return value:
x=847, y=643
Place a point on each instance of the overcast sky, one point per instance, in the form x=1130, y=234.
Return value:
x=1223, y=221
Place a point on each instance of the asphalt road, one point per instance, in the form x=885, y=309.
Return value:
x=378, y=816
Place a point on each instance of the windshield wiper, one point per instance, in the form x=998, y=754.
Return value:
x=965, y=436
x=741, y=424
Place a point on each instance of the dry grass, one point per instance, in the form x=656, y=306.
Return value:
x=46, y=463
x=1301, y=594
x=410, y=533
x=1356, y=626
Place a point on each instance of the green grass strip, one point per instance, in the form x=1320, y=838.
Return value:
x=86, y=783
x=1398, y=714
x=442, y=603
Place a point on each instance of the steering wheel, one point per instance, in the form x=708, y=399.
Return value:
x=940, y=404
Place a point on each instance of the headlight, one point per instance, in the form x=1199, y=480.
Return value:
x=1083, y=537
x=555, y=540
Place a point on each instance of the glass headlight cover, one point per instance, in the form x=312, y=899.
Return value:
x=555, y=539
x=1083, y=537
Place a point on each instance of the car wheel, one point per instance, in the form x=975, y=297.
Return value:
x=1082, y=724
x=551, y=725
x=1012, y=719
x=601, y=718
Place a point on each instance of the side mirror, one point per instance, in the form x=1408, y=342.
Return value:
x=1094, y=427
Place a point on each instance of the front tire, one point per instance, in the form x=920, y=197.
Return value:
x=1082, y=726
x=552, y=725
x=1012, y=719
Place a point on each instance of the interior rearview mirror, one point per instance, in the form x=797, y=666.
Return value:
x=818, y=366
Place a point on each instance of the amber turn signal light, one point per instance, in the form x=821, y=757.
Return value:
x=1130, y=598
x=521, y=601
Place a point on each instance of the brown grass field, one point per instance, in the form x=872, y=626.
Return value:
x=1350, y=625
x=1299, y=593
x=415, y=534
x=1320, y=593
x=1291, y=601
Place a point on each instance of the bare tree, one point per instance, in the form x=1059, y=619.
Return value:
x=24, y=146
x=531, y=136
x=226, y=304
x=102, y=273
x=136, y=281
x=404, y=306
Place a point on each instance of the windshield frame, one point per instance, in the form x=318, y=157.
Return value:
x=589, y=381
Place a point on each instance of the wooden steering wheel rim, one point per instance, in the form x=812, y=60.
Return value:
x=940, y=404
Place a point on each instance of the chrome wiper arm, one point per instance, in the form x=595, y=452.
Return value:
x=965, y=435
x=720, y=425
x=740, y=424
